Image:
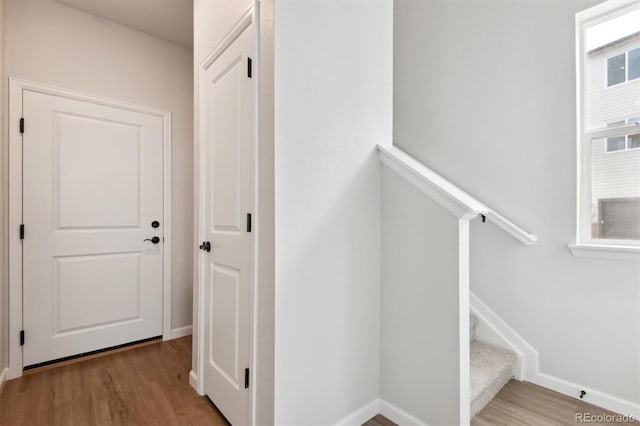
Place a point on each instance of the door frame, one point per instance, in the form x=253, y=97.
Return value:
x=16, y=89
x=196, y=378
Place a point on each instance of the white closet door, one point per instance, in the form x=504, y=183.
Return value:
x=229, y=94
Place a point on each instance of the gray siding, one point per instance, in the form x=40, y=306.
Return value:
x=615, y=174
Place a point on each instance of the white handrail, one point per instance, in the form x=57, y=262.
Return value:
x=445, y=193
x=511, y=228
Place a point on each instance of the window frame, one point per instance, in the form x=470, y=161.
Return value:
x=606, y=66
x=614, y=151
x=627, y=137
x=584, y=244
x=627, y=68
x=628, y=64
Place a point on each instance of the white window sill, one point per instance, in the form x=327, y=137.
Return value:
x=599, y=251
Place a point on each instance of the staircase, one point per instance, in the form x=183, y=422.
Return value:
x=491, y=369
x=488, y=368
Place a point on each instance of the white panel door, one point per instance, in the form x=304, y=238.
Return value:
x=92, y=188
x=228, y=173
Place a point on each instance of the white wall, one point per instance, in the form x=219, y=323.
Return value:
x=332, y=106
x=213, y=19
x=484, y=93
x=50, y=43
x=265, y=297
x=420, y=364
x=4, y=275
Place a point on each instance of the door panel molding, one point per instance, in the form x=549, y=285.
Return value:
x=16, y=89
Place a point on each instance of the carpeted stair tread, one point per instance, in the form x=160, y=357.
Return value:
x=491, y=369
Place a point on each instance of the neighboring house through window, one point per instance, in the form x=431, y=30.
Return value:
x=623, y=67
x=609, y=125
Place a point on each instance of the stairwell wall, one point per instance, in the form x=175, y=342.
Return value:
x=329, y=66
x=333, y=95
x=492, y=109
x=419, y=365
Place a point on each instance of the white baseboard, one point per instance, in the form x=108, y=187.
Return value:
x=361, y=415
x=181, y=332
x=398, y=415
x=379, y=406
x=592, y=396
x=193, y=381
x=3, y=378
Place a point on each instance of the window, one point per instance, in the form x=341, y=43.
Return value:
x=616, y=69
x=608, y=43
x=623, y=67
x=626, y=142
x=633, y=59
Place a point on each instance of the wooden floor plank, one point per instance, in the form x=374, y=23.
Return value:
x=144, y=385
x=525, y=404
x=528, y=404
x=149, y=385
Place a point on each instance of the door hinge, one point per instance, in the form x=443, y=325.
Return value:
x=249, y=67
x=22, y=231
x=21, y=337
x=248, y=222
x=246, y=378
x=22, y=125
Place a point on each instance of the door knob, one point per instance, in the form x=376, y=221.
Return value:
x=154, y=240
x=206, y=246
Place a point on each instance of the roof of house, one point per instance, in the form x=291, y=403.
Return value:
x=614, y=43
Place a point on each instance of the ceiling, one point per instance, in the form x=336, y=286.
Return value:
x=170, y=20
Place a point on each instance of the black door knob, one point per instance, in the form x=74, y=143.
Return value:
x=206, y=246
x=154, y=240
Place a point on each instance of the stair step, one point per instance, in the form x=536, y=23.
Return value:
x=473, y=324
x=491, y=369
